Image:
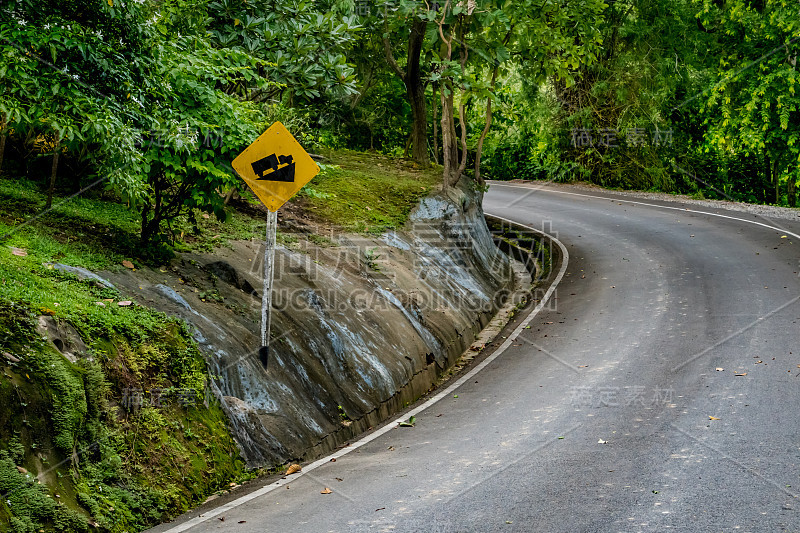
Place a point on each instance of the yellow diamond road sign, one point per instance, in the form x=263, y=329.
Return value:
x=275, y=166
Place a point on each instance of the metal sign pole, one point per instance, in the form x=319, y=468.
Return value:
x=269, y=274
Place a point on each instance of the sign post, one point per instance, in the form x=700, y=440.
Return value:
x=269, y=276
x=275, y=167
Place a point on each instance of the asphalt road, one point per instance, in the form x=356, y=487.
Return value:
x=598, y=417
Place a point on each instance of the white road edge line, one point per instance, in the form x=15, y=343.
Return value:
x=685, y=209
x=392, y=425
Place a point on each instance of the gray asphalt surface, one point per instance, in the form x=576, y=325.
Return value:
x=598, y=418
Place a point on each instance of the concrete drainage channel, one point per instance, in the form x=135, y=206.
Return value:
x=532, y=254
x=540, y=262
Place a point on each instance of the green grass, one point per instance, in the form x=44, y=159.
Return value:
x=367, y=192
x=364, y=193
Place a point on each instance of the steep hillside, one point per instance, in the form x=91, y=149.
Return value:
x=130, y=387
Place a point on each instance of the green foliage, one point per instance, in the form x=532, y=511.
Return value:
x=368, y=193
x=754, y=107
x=304, y=44
x=30, y=506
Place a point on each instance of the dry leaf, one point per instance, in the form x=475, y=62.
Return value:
x=19, y=252
x=601, y=441
x=741, y=374
x=127, y=264
x=713, y=418
x=720, y=369
x=124, y=303
x=326, y=490
x=292, y=469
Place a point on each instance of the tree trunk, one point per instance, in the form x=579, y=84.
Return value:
x=409, y=140
x=2, y=148
x=479, y=148
x=415, y=88
x=463, y=125
x=488, y=124
x=791, y=191
x=435, y=126
x=53, y=172
x=3, y=135
x=416, y=93
x=777, y=178
x=450, y=175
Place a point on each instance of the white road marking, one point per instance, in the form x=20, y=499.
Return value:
x=392, y=425
x=684, y=209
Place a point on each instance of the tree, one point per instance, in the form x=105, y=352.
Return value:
x=304, y=46
x=754, y=107
x=412, y=76
x=478, y=41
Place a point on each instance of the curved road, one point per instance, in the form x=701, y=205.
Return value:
x=598, y=417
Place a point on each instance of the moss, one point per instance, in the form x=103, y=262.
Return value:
x=124, y=470
x=30, y=507
x=367, y=192
x=64, y=384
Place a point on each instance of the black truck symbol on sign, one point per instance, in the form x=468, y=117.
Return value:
x=270, y=169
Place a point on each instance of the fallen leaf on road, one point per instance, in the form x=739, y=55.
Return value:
x=326, y=490
x=583, y=366
x=713, y=418
x=784, y=237
x=292, y=469
x=127, y=264
x=720, y=369
x=601, y=441
x=19, y=252
x=741, y=374
x=409, y=423
x=242, y=521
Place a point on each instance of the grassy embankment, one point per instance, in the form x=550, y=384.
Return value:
x=128, y=435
